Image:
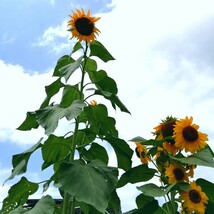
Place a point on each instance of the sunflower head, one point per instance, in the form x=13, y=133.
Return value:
x=82, y=26
x=188, y=137
x=164, y=130
x=194, y=199
x=176, y=173
x=142, y=153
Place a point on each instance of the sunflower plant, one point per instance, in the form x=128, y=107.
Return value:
x=79, y=158
x=169, y=161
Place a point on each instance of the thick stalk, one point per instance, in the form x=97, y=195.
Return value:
x=68, y=200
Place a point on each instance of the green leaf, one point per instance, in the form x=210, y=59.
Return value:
x=91, y=65
x=123, y=152
x=63, y=61
x=136, y=174
x=207, y=187
x=29, y=122
x=77, y=46
x=51, y=90
x=70, y=94
x=18, y=195
x=84, y=137
x=201, y=158
x=48, y=117
x=115, y=202
x=55, y=149
x=99, y=121
x=97, y=49
x=142, y=200
x=152, y=142
x=68, y=70
x=45, y=205
x=153, y=190
x=96, y=152
x=20, y=161
x=92, y=183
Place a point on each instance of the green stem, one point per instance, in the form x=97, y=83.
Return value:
x=68, y=200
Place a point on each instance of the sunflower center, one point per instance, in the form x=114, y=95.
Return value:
x=190, y=133
x=179, y=174
x=84, y=26
x=167, y=131
x=194, y=195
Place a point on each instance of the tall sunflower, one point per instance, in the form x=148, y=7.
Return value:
x=194, y=199
x=188, y=137
x=164, y=130
x=142, y=153
x=83, y=26
x=176, y=173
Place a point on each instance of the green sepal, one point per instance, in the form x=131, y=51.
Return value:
x=18, y=195
x=136, y=174
x=20, y=161
x=98, y=50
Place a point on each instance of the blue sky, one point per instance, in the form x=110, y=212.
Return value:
x=164, y=66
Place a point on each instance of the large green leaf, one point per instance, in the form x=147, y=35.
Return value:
x=92, y=183
x=20, y=161
x=51, y=90
x=97, y=49
x=45, y=205
x=55, y=149
x=123, y=152
x=29, y=122
x=18, y=195
x=91, y=65
x=70, y=94
x=63, y=61
x=136, y=174
x=100, y=122
x=84, y=137
x=48, y=117
x=96, y=152
x=77, y=47
x=201, y=158
x=68, y=70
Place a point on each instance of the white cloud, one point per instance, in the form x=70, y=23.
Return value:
x=5, y=39
x=56, y=39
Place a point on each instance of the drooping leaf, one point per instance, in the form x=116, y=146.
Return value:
x=70, y=94
x=55, y=149
x=123, y=152
x=51, y=90
x=68, y=69
x=29, y=122
x=48, y=117
x=77, y=47
x=136, y=174
x=45, y=205
x=92, y=183
x=63, y=61
x=100, y=123
x=201, y=158
x=96, y=152
x=20, y=161
x=18, y=195
x=207, y=187
x=98, y=50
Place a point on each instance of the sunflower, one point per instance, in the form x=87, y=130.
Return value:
x=142, y=153
x=82, y=26
x=164, y=130
x=188, y=137
x=93, y=102
x=194, y=199
x=176, y=173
